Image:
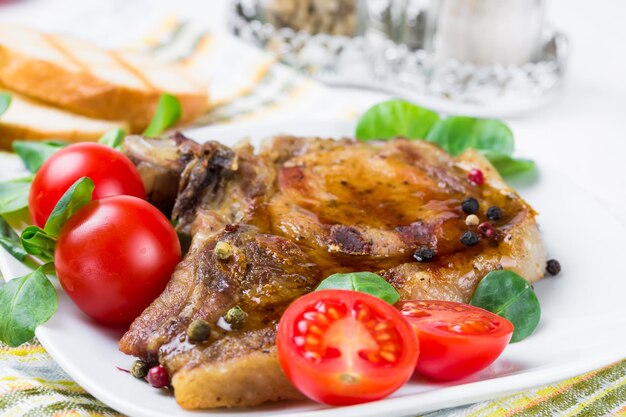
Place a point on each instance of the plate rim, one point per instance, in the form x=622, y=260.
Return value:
x=497, y=388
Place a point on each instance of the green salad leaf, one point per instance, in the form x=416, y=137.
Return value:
x=509, y=295
x=72, y=200
x=41, y=242
x=37, y=242
x=14, y=194
x=459, y=133
x=394, y=118
x=508, y=166
x=34, y=154
x=10, y=241
x=454, y=134
x=167, y=114
x=25, y=303
x=113, y=138
x=5, y=102
x=367, y=282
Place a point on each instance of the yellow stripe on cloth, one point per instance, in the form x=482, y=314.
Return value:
x=598, y=393
x=33, y=385
x=546, y=393
x=23, y=350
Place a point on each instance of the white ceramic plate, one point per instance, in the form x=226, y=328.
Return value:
x=581, y=329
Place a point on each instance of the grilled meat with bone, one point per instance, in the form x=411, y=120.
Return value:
x=299, y=210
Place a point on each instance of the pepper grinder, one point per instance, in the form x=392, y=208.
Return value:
x=485, y=32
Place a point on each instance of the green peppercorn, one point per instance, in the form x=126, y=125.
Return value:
x=223, y=250
x=198, y=331
x=235, y=317
x=139, y=369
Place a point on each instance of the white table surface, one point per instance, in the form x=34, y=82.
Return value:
x=582, y=134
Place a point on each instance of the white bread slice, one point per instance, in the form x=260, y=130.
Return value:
x=28, y=119
x=78, y=76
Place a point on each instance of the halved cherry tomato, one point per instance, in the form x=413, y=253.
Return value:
x=345, y=347
x=111, y=172
x=456, y=340
x=115, y=256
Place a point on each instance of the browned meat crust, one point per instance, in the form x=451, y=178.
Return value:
x=300, y=210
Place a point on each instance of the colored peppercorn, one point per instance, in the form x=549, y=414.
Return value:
x=476, y=176
x=472, y=220
x=230, y=228
x=235, y=317
x=470, y=206
x=469, y=238
x=553, y=267
x=158, y=377
x=487, y=230
x=494, y=213
x=139, y=369
x=424, y=254
x=223, y=251
x=198, y=331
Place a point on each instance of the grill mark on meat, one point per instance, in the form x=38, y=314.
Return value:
x=203, y=177
x=349, y=240
x=446, y=173
x=417, y=233
x=293, y=177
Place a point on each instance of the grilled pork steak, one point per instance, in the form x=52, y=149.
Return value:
x=301, y=209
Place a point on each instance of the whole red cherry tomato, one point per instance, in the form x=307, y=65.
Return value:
x=115, y=256
x=345, y=347
x=111, y=172
x=456, y=339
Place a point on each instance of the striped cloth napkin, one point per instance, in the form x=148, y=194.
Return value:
x=247, y=84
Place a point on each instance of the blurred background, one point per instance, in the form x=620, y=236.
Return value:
x=555, y=70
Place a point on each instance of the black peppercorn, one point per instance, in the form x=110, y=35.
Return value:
x=469, y=238
x=424, y=254
x=553, y=267
x=470, y=206
x=494, y=213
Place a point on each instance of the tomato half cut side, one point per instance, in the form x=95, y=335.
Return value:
x=343, y=347
x=456, y=340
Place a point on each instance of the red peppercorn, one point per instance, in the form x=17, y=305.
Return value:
x=486, y=229
x=230, y=228
x=476, y=176
x=158, y=377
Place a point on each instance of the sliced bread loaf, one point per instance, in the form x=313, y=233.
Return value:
x=78, y=76
x=28, y=119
